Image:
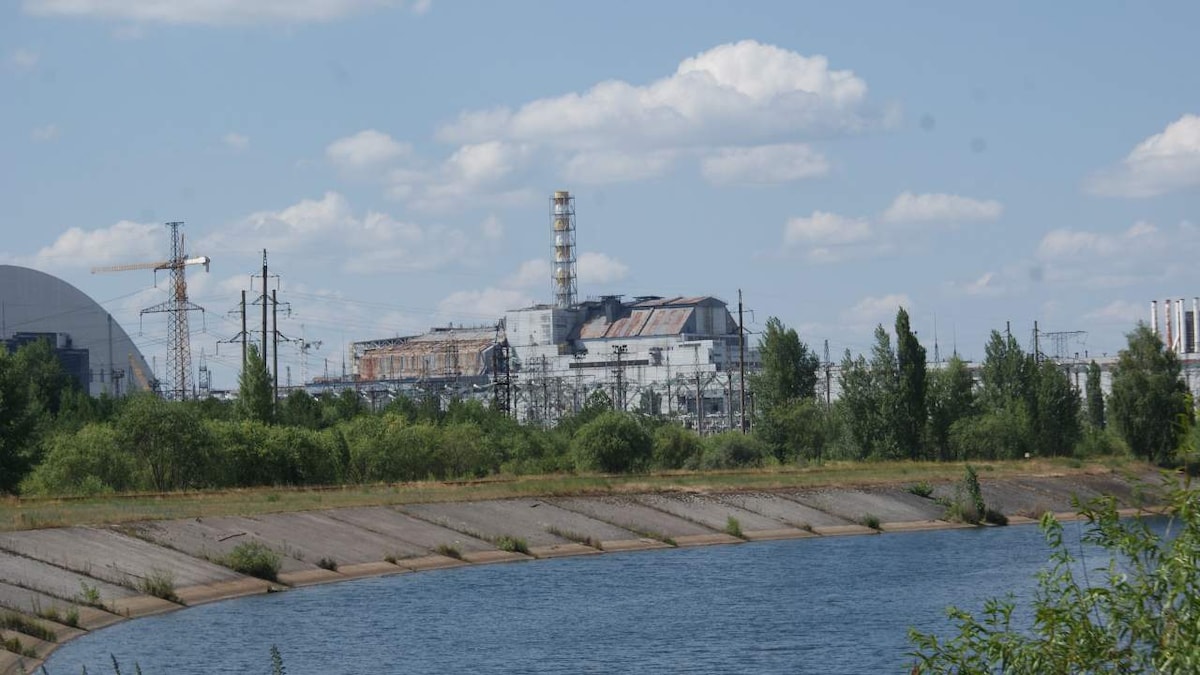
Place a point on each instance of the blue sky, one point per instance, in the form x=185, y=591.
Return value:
x=975, y=164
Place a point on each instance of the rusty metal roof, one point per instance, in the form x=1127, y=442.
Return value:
x=668, y=321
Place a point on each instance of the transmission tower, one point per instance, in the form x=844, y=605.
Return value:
x=177, y=306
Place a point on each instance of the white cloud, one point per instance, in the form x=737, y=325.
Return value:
x=487, y=305
x=823, y=229
x=611, y=166
x=938, y=207
x=531, y=273
x=367, y=149
x=481, y=173
x=764, y=164
x=984, y=285
x=45, y=133
x=235, y=141
x=1095, y=259
x=492, y=227
x=1119, y=312
x=207, y=12
x=23, y=60
x=873, y=310
x=1162, y=163
x=123, y=242
x=598, y=268
x=1063, y=244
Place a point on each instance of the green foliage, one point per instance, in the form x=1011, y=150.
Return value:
x=951, y=397
x=1056, y=417
x=613, y=442
x=733, y=528
x=1100, y=443
x=14, y=621
x=299, y=409
x=277, y=667
x=448, y=550
x=922, y=489
x=870, y=392
x=910, y=413
x=675, y=447
x=160, y=584
x=798, y=431
x=1095, y=397
x=734, y=450
x=13, y=644
x=328, y=564
x=1141, y=616
x=89, y=461
x=999, y=434
x=512, y=544
x=789, y=368
x=1149, y=405
x=872, y=521
x=167, y=439
x=254, y=559
x=256, y=389
x=32, y=386
x=89, y=595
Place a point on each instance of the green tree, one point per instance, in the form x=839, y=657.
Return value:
x=88, y=461
x=1056, y=422
x=675, y=447
x=1095, y=397
x=1141, y=616
x=789, y=368
x=256, y=391
x=909, y=417
x=18, y=423
x=1007, y=376
x=168, y=440
x=613, y=442
x=800, y=430
x=1149, y=405
x=951, y=397
x=299, y=409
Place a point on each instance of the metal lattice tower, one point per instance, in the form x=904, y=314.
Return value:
x=562, y=220
x=177, y=306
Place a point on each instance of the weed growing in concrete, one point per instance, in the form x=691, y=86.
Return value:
x=575, y=537
x=327, y=564
x=512, y=544
x=448, y=550
x=733, y=528
x=160, y=584
x=68, y=618
x=255, y=559
x=871, y=521
x=922, y=489
x=89, y=595
x=14, y=621
x=14, y=645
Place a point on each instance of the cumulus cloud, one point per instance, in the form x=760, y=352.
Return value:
x=366, y=149
x=235, y=141
x=598, y=268
x=480, y=173
x=1098, y=259
x=23, y=60
x=939, y=207
x=873, y=310
x=1065, y=244
x=826, y=229
x=531, y=273
x=487, y=305
x=45, y=133
x=210, y=12
x=763, y=164
x=1165, y=162
x=612, y=166
x=123, y=242
x=1119, y=312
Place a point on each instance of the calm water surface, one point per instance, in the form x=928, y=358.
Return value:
x=829, y=605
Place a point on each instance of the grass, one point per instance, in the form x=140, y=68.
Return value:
x=31, y=513
x=255, y=559
x=922, y=489
x=14, y=645
x=160, y=584
x=14, y=621
x=511, y=544
x=68, y=618
x=733, y=528
x=871, y=521
x=575, y=537
x=327, y=564
x=448, y=550
x=89, y=595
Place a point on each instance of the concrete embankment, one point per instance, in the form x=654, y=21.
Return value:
x=57, y=584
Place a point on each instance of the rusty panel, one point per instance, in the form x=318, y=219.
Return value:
x=630, y=325
x=596, y=328
x=667, y=321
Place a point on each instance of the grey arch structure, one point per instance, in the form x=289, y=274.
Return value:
x=36, y=302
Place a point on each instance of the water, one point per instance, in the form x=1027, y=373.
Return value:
x=829, y=605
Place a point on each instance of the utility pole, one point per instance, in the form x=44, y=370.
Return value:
x=619, y=374
x=828, y=376
x=244, y=333
x=1037, y=353
x=264, y=306
x=742, y=363
x=275, y=347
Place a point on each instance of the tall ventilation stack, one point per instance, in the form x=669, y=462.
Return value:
x=562, y=220
x=1154, y=316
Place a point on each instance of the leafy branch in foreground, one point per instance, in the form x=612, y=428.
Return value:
x=1141, y=616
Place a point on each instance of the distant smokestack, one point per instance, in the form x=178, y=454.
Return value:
x=562, y=223
x=1169, y=342
x=1154, y=317
x=1179, y=339
x=1195, y=325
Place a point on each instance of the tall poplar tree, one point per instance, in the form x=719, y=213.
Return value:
x=909, y=413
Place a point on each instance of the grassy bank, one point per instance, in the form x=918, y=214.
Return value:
x=31, y=513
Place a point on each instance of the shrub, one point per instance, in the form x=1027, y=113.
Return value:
x=512, y=544
x=14, y=621
x=733, y=528
x=922, y=489
x=160, y=584
x=89, y=595
x=613, y=442
x=254, y=559
x=85, y=462
x=674, y=447
x=871, y=521
x=328, y=564
x=995, y=517
x=448, y=550
x=732, y=450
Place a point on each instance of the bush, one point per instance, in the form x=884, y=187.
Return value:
x=613, y=442
x=448, y=550
x=512, y=544
x=800, y=430
x=733, y=528
x=328, y=564
x=1002, y=434
x=732, y=450
x=160, y=584
x=675, y=447
x=922, y=489
x=85, y=462
x=254, y=559
x=1100, y=443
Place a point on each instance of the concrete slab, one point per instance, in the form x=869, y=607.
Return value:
x=55, y=581
x=921, y=525
x=485, y=557
x=491, y=519
x=309, y=577
x=111, y=556
x=785, y=533
x=371, y=569
x=91, y=618
x=12, y=664
x=40, y=647
x=709, y=511
x=781, y=508
x=888, y=505
x=207, y=538
x=197, y=595
x=628, y=513
x=31, y=602
x=843, y=530
x=61, y=631
x=430, y=562
x=643, y=544
x=561, y=551
x=412, y=536
x=691, y=540
x=141, y=605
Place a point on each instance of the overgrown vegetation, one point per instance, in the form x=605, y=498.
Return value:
x=872, y=521
x=922, y=489
x=14, y=621
x=54, y=440
x=328, y=564
x=576, y=537
x=511, y=544
x=160, y=584
x=1141, y=615
x=448, y=550
x=255, y=559
x=733, y=528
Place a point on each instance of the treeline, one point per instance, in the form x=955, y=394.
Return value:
x=893, y=405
